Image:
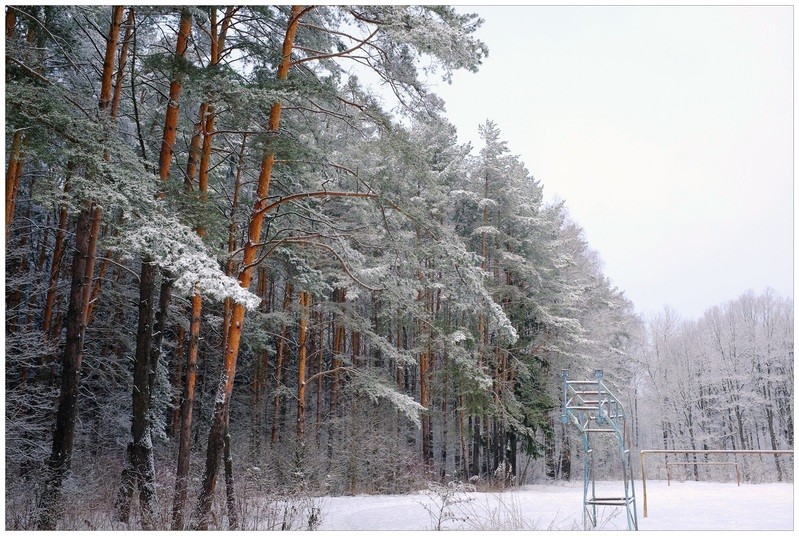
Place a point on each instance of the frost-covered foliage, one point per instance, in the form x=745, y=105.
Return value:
x=178, y=251
x=437, y=31
x=376, y=388
x=397, y=42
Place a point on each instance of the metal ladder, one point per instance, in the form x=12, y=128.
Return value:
x=594, y=409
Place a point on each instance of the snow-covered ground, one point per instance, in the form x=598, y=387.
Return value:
x=680, y=506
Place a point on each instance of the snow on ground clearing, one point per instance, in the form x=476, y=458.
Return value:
x=681, y=506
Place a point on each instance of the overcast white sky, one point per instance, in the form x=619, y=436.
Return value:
x=667, y=130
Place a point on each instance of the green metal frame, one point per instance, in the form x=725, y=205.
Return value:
x=594, y=409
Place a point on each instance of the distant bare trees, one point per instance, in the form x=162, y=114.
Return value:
x=724, y=381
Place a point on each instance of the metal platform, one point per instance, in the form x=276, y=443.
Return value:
x=594, y=409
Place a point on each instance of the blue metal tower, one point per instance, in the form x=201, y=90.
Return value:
x=594, y=409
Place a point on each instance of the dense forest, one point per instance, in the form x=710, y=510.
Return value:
x=244, y=243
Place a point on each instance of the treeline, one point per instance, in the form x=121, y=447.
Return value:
x=218, y=239
x=723, y=382
x=228, y=258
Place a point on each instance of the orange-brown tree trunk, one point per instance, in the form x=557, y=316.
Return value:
x=64, y=432
x=186, y=408
x=86, y=233
x=12, y=178
x=302, y=363
x=172, y=108
x=55, y=265
x=424, y=400
x=138, y=470
x=184, y=445
x=203, y=132
x=279, y=356
x=123, y=60
x=11, y=22
x=114, y=112
x=14, y=170
x=339, y=339
x=222, y=406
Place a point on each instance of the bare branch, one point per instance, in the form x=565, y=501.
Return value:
x=341, y=260
x=321, y=56
x=337, y=166
x=28, y=70
x=308, y=9
x=363, y=18
x=326, y=372
x=121, y=266
x=308, y=195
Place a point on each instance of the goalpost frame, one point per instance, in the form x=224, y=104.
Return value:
x=734, y=464
x=645, y=453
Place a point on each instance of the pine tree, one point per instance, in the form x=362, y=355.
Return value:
x=86, y=234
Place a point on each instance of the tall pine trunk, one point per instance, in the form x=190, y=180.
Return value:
x=86, y=233
x=115, y=100
x=279, y=358
x=86, y=230
x=302, y=363
x=234, y=329
x=201, y=134
x=186, y=408
x=201, y=154
x=204, y=130
x=13, y=173
x=140, y=463
x=138, y=468
x=339, y=335
x=55, y=265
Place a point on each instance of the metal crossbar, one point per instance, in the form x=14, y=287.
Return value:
x=734, y=464
x=594, y=409
x=645, y=453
